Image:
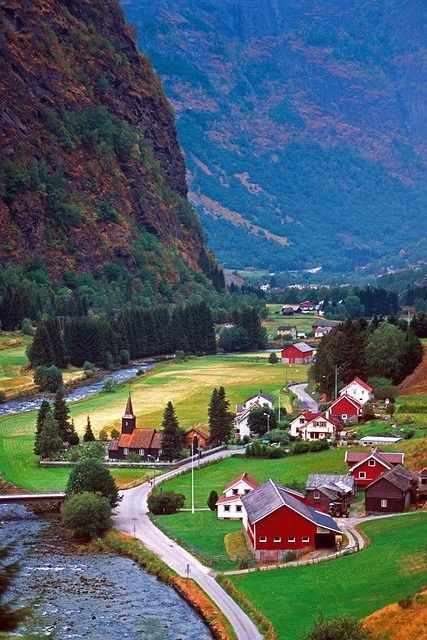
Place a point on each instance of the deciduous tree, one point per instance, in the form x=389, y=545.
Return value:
x=92, y=475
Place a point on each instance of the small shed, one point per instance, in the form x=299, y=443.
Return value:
x=197, y=436
x=393, y=492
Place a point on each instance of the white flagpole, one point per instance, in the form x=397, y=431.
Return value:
x=192, y=477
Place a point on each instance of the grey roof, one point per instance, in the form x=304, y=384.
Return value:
x=400, y=477
x=330, y=492
x=303, y=346
x=285, y=327
x=320, y=322
x=270, y=496
x=332, y=481
x=262, y=394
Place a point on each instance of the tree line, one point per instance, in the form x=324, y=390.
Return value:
x=358, y=348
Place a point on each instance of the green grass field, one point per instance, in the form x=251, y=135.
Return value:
x=393, y=566
x=187, y=384
x=301, y=321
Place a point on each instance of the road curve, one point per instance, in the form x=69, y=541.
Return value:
x=307, y=401
x=131, y=518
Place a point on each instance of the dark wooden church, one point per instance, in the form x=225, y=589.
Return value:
x=146, y=443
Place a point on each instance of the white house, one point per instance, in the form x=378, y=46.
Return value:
x=315, y=426
x=322, y=331
x=243, y=410
x=358, y=390
x=229, y=505
x=300, y=421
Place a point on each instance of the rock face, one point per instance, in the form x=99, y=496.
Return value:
x=90, y=168
x=301, y=123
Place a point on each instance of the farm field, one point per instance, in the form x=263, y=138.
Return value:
x=392, y=567
x=302, y=321
x=187, y=384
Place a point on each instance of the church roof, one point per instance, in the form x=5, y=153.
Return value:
x=129, y=409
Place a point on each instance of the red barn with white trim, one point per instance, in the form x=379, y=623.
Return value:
x=299, y=353
x=346, y=409
x=367, y=467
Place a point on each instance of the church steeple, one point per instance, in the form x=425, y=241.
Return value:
x=129, y=419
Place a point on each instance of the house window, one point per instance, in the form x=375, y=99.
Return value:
x=238, y=508
x=125, y=450
x=371, y=463
x=235, y=492
x=383, y=503
x=305, y=539
x=277, y=539
x=316, y=495
x=362, y=475
x=141, y=452
x=291, y=539
x=227, y=507
x=344, y=416
x=262, y=539
x=247, y=491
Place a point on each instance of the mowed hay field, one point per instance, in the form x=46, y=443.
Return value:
x=392, y=567
x=302, y=321
x=14, y=376
x=187, y=384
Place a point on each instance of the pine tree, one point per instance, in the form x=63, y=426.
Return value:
x=61, y=413
x=172, y=436
x=212, y=500
x=88, y=435
x=41, y=351
x=54, y=330
x=50, y=441
x=220, y=419
x=41, y=416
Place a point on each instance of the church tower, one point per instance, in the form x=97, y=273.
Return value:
x=129, y=419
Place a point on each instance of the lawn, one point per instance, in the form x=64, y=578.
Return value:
x=202, y=531
x=187, y=384
x=391, y=567
x=302, y=321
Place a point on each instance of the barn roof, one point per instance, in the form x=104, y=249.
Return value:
x=202, y=430
x=343, y=483
x=400, y=477
x=244, y=477
x=270, y=496
x=359, y=456
x=344, y=396
x=360, y=382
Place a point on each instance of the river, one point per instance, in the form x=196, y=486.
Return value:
x=92, y=596
x=21, y=405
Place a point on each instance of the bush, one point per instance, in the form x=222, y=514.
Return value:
x=124, y=356
x=318, y=445
x=92, y=475
x=48, y=378
x=165, y=502
x=27, y=327
x=273, y=359
x=85, y=451
x=103, y=435
x=109, y=386
x=89, y=369
x=343, y=628
x=87, y=515
x=211, y=501
x=180, y=356
x=300, y=446
x=133, y=457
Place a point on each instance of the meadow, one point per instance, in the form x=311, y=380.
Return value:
x=392, y=567
x=302, y=321
x=187, y=384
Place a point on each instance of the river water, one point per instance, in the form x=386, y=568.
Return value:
x=20, y=405
x=91, y=596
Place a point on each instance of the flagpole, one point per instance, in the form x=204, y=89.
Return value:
x=192, y=477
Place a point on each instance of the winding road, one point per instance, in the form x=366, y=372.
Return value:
x=131, y=518
x=306, y=400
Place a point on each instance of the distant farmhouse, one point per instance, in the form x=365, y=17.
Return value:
x=315, y=426
x=146, y=443
x=261, y=399
x=286, y=331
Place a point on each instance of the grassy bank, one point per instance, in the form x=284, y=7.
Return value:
x=187, y=384
x=392, y=567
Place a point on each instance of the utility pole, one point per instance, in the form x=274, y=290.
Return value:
x=336, y=382
x=279, y=404
x=192, y=477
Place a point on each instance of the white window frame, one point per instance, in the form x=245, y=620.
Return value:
x=344, y=416
x=305, y=539
x=277, y=539
x=262, y=539
x=291, y=539
x=362, y=475
x=227, y=507
x=371, y=463
x=125, y=451
x=238, y=508
x=316, y=495
x=384, y=503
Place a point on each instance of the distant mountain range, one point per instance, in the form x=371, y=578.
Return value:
x=301, y=123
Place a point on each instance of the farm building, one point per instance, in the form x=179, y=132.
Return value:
x=320, y=332
x=393, y=492
x=345, y=409
x=299, y=353
x=367, y=467
x=198, y=437
x=286, y=331
x=229, y=505
x=321, y=322
x=275, y=521
x=358, y=390
x=146, y=443
x=241, y=426
x=324, y=489
x=307, y=306
x=422, y=483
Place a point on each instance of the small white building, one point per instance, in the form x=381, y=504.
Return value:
x=243, y=410
x=322, y=331
x=229, y=505
x=358, y=390
x=315, y=426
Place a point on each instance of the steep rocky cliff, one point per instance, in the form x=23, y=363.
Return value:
x=301, y=121
x=91, y=173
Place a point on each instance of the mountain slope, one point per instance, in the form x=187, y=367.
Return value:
x=92, y=178
x=303, y=121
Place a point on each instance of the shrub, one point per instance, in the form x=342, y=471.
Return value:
x=300, y=446
x=273, y=359
x=165, y=502
x=87, y=515
x=109, y=386
x=318, y=445
x=211, y=501
x=344, y=628
x=92, y=475
x=133, y=457
x=103, y=435
x=89, y=369
x=124, y=356
x=180, y=356
x=85, y=451
x=115, y=433
x=48, y=378
x=27, y=327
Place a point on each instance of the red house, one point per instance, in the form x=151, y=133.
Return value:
x=345, y=409
x=197, y=437
x=299, y=353
x=276, y=522
x=367, y=467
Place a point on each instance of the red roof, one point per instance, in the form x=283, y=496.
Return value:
x=245, y=478
x=361, y=383
x=229, y=499
x=355, y=457
x=129, y=409
x=140, y=439
x=113, y=445
x=344, y=396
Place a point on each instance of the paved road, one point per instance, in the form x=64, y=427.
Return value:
x=306, y=400
x=131, y=517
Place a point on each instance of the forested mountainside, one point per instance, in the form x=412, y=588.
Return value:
x=301, y=122
x=92, y=179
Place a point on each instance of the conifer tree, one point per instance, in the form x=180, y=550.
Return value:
x=41, y=416
x=220, y=419
x=50, y=442
x=172, y=436
x=54, y=330
x=88, y=435
x=41, y=350
x=61, y=413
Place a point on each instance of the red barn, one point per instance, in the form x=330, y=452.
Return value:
x=392, y=492
x=276, y=522
x=346, y=409
x=299, y=353
x=367, y=467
